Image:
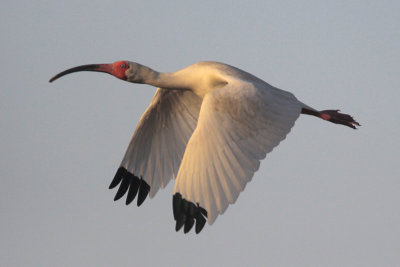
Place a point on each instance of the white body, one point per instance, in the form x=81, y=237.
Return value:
x=210, y=133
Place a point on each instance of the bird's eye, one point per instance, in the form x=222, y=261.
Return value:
x=123, y=66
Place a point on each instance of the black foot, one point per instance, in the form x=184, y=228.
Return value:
x=186, y=213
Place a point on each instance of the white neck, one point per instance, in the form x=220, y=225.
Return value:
x=169, y=80
x=166, y=80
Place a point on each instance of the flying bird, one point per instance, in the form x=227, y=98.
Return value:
x=208, y=125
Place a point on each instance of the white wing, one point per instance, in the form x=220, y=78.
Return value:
x=238, y=125
x=157, y=146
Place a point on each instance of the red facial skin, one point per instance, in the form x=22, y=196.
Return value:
x=119, y=68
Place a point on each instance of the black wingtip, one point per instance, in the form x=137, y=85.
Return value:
x=180, y=222
x=187, y=214
x=121, y=172
x=144, y=190
x=200, y=222
x=122, y=188
x=188, y=225
x=129, y=183
x=133, y=188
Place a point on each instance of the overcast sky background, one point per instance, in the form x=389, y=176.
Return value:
x=326, y=196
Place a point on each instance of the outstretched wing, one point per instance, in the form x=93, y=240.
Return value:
x=157, y=146
x=238, y=125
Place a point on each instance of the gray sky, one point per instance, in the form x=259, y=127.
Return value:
x=326, y=196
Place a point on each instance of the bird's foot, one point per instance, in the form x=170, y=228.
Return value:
x=335, y=116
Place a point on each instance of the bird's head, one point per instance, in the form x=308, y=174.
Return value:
x=120, y=69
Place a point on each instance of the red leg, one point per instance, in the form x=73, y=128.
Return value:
x=333, y=116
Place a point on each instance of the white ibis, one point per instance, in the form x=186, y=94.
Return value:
x=208, y=125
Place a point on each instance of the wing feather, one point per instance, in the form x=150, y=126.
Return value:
x=238, y=125
x=159, y=141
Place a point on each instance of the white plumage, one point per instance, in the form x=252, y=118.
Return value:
x=208, y=125
x=229, y=141
x=160, y=138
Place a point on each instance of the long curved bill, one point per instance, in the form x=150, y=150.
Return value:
x=107, y=68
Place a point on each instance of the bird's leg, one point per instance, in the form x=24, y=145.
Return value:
x=333, y=116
